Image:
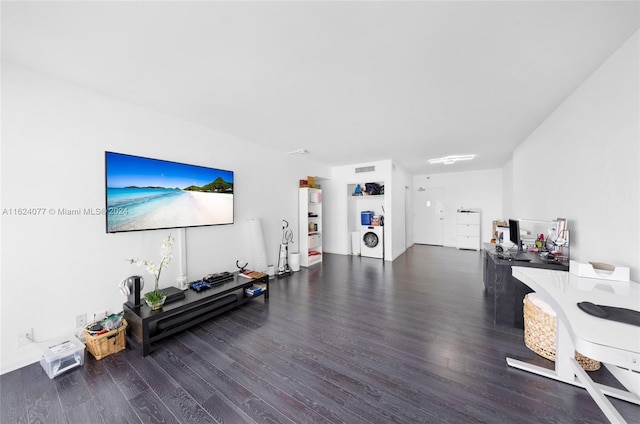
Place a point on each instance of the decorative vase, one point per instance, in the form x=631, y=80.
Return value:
x=156, y=305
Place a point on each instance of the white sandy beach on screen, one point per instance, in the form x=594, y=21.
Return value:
x=192, y=208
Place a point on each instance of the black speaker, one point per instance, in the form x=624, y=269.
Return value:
x=135, y=283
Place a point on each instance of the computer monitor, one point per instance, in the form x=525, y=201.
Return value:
x=514, y=233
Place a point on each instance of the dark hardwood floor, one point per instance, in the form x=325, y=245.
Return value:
x=350, y=341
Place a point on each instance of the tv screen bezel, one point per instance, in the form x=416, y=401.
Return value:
x=168, y=163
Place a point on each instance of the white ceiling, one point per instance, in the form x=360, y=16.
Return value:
x=351, y=82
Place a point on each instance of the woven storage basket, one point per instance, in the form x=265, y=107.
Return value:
x=108, y=343
x=540, y=335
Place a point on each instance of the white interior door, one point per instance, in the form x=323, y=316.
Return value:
x=428, y=215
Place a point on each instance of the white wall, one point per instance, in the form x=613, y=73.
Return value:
x=475, y=189
x=56, y=267
x=582, y=164
x=401, y=238
x=507, y=190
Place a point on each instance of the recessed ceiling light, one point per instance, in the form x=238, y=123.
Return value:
x=448, y=160
x=297, y=152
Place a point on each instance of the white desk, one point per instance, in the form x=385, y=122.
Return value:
x=615, y=344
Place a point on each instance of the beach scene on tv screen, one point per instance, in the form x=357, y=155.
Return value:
x=145, y=194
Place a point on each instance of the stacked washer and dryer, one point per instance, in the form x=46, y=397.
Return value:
x=371, y=235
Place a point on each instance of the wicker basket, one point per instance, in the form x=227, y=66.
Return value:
x=540, y=335
x=108, y=343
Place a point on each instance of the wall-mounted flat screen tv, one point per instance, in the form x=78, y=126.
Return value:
x=151, y=194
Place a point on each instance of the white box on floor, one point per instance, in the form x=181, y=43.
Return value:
x=62, y=357
x=355, y=243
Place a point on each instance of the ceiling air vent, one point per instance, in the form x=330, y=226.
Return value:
x=365, y=169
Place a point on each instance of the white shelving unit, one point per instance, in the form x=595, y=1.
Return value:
x=468, y=229
x=357, y=204
x=310, y=225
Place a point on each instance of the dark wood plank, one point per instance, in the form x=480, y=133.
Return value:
x=146, y=404
x=126, y=377
x=248, y=375
x=346, y=405
x=72, y=389
x=151, y=409
x=43, y=402
x=381, y=371
x=89, y=411
x=173, y=395
x=77, y=401
x=110, y=404
x=205, y=365
x=13, y=408
x=252, y=359
x=173, y=358
x=348, y=374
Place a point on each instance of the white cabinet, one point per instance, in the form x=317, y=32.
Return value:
x=468, y=229
x=310, y=225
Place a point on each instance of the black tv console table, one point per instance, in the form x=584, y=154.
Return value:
x=147, y=326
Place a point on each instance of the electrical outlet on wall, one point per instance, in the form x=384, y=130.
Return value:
x=81, y=320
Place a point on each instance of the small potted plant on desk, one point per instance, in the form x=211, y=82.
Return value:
x=155, y=299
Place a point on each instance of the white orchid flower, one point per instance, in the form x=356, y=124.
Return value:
x=166, y=252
